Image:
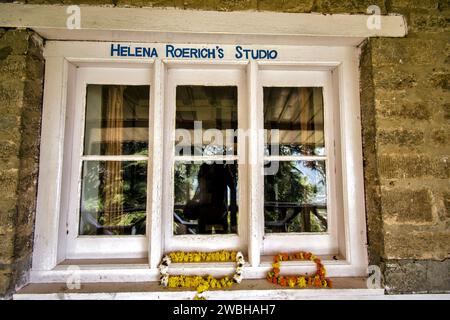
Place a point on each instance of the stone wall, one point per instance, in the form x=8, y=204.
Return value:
x=21, y=75
x=405, y=103
x=410, y=114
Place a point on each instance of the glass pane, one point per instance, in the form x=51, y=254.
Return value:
x=206, y=120
x=295, y=197
x=296, y=116
x=206, y=198
x=113, y=198
x=116, y=120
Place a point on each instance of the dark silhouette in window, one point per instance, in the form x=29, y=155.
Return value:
x=214, y=201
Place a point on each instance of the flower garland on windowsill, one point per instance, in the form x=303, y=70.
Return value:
x=302, y=281
x=200, y=283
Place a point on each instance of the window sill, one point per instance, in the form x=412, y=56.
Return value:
x=138, y=270
x=343, y=288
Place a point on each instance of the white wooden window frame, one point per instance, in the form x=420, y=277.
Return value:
x=321, y=243
x=204, y=75
x=62, y=60
x=83, y=246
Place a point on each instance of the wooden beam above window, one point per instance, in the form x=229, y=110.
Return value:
x=159, y=24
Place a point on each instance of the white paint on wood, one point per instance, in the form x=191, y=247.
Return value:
x=268, y=294
x=155, y=181
x=45, y=252
x=255, y=159
x=130, y=24
x=348, y=288
x=205, y=74
x=79, y=246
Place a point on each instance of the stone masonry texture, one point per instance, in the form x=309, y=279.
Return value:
x=21, y=80
x=405, y=113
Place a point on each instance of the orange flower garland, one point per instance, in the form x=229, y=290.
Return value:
x=316, y=280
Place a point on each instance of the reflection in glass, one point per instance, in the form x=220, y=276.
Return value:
x=206, y=108
x=205, y=198
x=116, y=120
x=295, y=197
x=113, y=198
x=298, y=115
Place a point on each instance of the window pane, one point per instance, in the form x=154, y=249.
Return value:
x=206, y=198
x=295, y=197
x=297, y=114
x=212, y=111
x=116, y=120
x=113, y=198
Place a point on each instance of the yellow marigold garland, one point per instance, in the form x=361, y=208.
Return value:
x=200, y=283
x=302, y=281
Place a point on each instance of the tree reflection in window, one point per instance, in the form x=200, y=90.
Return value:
x=295, y=194
x=295, y=198
x=113, y=191
x=113, y=207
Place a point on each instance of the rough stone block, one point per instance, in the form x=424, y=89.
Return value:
x=446, y=110
x=394, y=78
x=8, y=149
x=447, y=204
x=415, y=242
x=406, y=276
x=146, y=3
x=443, y=5
x=408, y=51
x=16, y=65
x=441, y=136
x=404, y=109
x=235, y=5
x=401, y=137
x=438, y=276
x=5, y=227
x=417, y=276
x=9, y=153
x=6, y=249
x=356, y=6
x=34, y=69
x=15, y=42
x=91, y=2
x=7, y=212
x=10, y=94
x=428, y=22
x=400, y=166
x=10, y=133
x=32, y=96
x=8, y=182
x=197, y=4
x=414, y=4
x=6, y=277
x=440, y=79
x=407, y=206
x=286, y=5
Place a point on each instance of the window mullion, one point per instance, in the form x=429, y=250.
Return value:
x=256, y=152
x=155, y=164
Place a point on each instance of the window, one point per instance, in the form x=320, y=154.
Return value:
x=205, y=193
x=156, y=155
x=301, y=196
x=108, y=148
